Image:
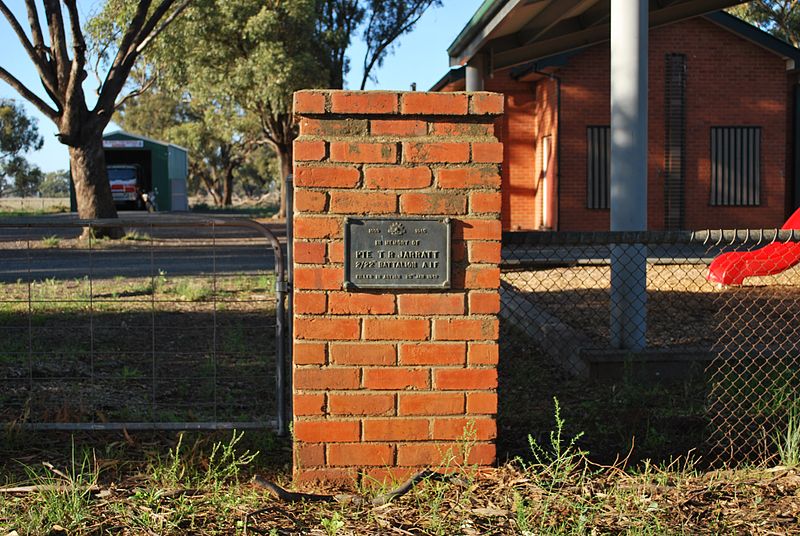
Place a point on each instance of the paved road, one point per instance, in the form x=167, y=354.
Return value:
x=189, y=251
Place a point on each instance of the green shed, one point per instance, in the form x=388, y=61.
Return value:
x=164, y=167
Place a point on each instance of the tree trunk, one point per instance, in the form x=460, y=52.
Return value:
x=92, y=190
x=227, y=189
x=285, y=158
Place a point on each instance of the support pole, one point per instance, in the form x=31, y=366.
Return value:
x=629, y=53
x=476, y=73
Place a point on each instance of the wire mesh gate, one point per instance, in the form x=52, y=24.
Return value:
x=178, y=325
x=703, y=317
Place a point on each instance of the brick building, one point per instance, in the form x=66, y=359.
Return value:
x=722, y=117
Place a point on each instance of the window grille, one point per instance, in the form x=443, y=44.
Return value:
x=735, y=166
x=598, y=167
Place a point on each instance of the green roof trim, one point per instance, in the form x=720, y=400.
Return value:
x=488, y=9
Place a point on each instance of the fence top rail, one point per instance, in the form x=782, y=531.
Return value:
x=708, y=237
x=130, y=221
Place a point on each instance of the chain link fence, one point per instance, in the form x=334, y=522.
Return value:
x=711, y=315
x=177, y=325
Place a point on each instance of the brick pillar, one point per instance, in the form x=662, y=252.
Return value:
x=388, y=381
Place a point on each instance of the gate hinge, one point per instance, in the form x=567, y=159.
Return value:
x=281, y=286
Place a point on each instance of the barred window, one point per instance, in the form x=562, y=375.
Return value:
x=735, y=166
x=598, y=167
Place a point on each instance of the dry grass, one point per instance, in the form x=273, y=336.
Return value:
x=203, y=484
x=33, y=205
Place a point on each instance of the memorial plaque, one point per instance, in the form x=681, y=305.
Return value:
x=396, y=253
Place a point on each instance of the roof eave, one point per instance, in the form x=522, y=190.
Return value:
x=757, y=36
x=479, y=26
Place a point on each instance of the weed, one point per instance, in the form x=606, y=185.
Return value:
x=556, y=464
x=224, y=464
x=789, y=442
x=190, y=290
x=129, y=373
x=63, y=499
x=333, y=524
x=51, y=241
x=136, y=236
x=522, y=513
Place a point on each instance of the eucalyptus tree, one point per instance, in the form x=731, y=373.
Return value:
x=780, y=17
x=235, y=64
x=18, y=131
x=62, y=59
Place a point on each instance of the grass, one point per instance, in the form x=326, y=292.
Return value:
x=200, y=483
x=249, y=211
x=788, y=443
x=115, y=343
x=51, y=241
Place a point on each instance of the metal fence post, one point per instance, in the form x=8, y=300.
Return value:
x=289, y=287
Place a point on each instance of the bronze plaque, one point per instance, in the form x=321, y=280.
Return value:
x=396, y=253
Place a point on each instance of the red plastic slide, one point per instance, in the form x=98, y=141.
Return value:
x=732, y=268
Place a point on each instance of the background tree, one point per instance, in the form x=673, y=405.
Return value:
x=62, y=76
x=384, y=21
x=233, y=66
x=781, y=18
x=55, y=184
x=219, y=141
x=22, y=178
x=18, y=132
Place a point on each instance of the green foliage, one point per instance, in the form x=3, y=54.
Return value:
x=332, y=525
x=781, y=18
x=55, y=184
x=25, y=177
x=18, y=134
x=223, y=465
x=558, y=461
x=226, y=76
x=382, y=22
x=226, y=73
x=789, y=443
x=51, y=241
x=64, y=498
x=18, y=131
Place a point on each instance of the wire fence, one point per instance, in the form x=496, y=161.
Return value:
x=713, y=312
x=179, y=324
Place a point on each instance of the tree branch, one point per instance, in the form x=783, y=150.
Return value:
x=23, y=39
x=78, y=69
x=36, y=27
x=38, y=59
x=381, y=46
x=146, y=31
x=154, y=33
x=28, y=95
x=58, y=40
x=135, y=93
x=115, y=78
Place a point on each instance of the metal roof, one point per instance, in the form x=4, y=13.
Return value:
x=514, y=32
x=121, y=132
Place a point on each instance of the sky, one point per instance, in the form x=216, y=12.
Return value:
x=420, y=57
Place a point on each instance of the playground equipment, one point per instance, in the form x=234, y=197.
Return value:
x=732, y=268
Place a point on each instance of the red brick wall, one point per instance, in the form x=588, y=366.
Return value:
x=730, y=82
x=389, y=381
